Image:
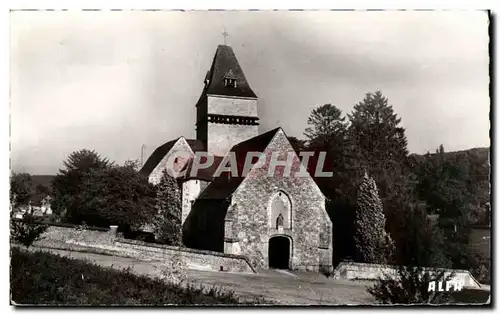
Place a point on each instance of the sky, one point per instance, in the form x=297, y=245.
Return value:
x=114, y=81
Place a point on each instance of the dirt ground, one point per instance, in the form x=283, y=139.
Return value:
x=277, y=286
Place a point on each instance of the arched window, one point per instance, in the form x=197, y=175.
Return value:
x=279, y=221
x=280, y=211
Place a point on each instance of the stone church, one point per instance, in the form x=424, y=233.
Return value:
x=275, y=221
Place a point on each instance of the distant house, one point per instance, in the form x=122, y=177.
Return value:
x=40, y=208
x=45, y=207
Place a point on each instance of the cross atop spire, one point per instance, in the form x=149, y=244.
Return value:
x=225, y=34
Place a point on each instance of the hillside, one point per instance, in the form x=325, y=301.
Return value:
x=43, y=180
x=470, y=167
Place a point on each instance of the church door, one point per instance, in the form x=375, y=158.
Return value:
x=279, y=252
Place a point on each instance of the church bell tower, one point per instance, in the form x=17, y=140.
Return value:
x=227, y=108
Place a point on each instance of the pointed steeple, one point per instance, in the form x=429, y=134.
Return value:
x=226, y=112
x=226, y=66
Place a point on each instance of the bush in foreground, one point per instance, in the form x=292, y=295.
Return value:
x=409, y=286
x=43, y=278
x=27, y=230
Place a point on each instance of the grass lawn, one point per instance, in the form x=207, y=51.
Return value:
x=44, y=278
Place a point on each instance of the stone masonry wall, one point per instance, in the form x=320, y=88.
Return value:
x=195, y=259
x=180, y=149
x=235, y=106
x=102, y=241
x=57, y=234
x=222, y=137
x=363, y=271
x=251, y=224
x=190, y=191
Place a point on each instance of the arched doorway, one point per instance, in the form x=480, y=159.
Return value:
x=279, y=252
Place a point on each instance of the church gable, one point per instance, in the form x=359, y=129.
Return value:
x=280, y=147
x=280, y=205
x=178, y=155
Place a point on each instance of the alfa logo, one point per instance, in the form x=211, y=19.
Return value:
x=445, y=286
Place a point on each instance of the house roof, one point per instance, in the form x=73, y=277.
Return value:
x=161, y=151
x=205, y=174
x=224, y=185
x=224, y=65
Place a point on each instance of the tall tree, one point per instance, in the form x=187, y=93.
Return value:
x=379, y=146
x=326, y=125
x=67, y=185
x=169, y=211
x=119, y=196
x=298, y=144
x=378, y=139
x=326, y=132
x=373, y=243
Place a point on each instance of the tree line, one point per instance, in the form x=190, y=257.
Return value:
x=92, y=191
x=386, y=205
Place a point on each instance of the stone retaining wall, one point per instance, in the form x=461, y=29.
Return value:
x=103, y=241
x=195, y=259
x=57, y=234
x=362, y=271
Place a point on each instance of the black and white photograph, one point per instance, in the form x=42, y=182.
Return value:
x=250, y=158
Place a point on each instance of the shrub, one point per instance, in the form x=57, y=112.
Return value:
x=27, y=230
x=174, y=269
x=480, y=268
x=409, y=286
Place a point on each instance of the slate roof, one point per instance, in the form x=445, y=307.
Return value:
x=196, y=145
x=223, y=186
x=205, y=174
x=225, y=62
x=161, y=151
